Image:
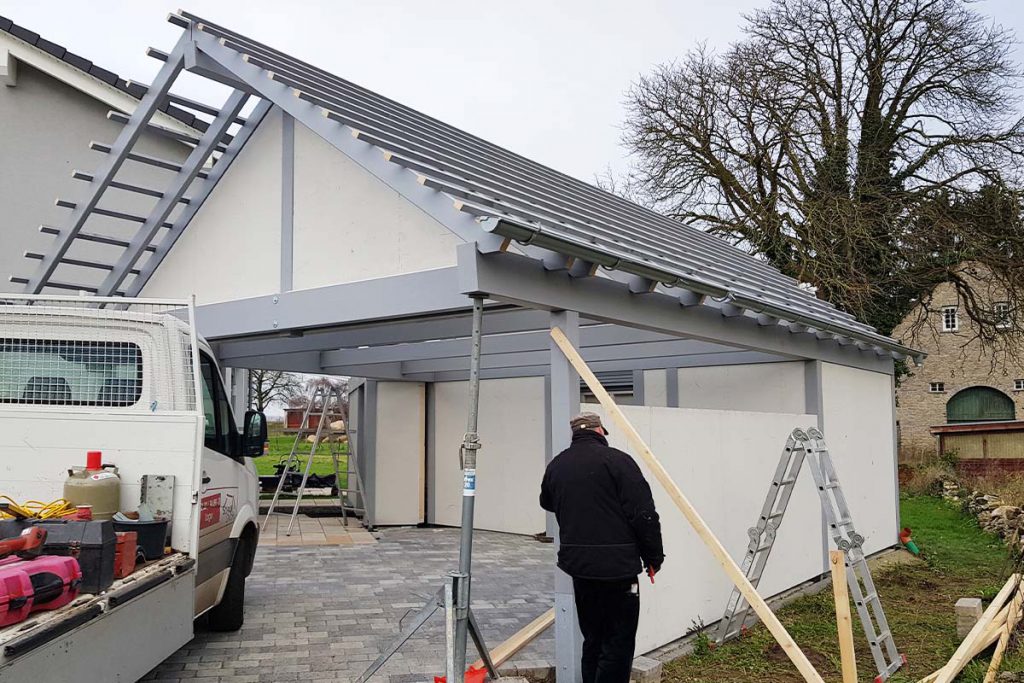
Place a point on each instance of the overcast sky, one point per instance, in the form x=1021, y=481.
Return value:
x=545, y=79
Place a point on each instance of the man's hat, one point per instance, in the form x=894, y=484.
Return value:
x=587, y=421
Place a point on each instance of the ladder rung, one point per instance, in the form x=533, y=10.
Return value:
x=882, y=637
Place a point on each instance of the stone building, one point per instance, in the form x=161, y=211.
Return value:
x=963, y=388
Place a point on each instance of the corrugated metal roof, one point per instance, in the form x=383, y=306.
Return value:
x=534, y=203
x=82, y=64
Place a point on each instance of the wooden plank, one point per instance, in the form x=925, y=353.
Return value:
x=841, y=593
x=1013, y=615
x=963, y=655
x=732, y=570
x=504, y=652
x=983, y=642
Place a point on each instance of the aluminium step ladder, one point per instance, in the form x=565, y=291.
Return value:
x=325, y=401
x=809, y=447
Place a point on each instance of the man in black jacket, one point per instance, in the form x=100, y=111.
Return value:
x=609, y=532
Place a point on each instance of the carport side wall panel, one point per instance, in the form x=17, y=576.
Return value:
x=400, y=456
x=757, y=387
x=511, y=459
x=858, y=419
x=55, y=123
x=724, y=462
x=231, y=249
x=349, y=226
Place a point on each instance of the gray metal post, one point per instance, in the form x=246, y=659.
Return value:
x=814, y=401
x=564, y=387
x=470, y=446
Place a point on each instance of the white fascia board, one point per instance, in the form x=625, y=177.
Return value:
x=13, y=50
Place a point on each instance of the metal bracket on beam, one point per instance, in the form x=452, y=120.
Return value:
x=732, y=310
x=641, y=285
x=765, y=320
x=688, y=297
x=796, y=328
x=581, y=268
x=201, y=64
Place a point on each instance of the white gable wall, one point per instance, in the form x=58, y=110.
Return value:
x=349, y=226
x=232, y=247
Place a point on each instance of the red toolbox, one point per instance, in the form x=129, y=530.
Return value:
x=52, y=581
x=15, y=595
x=125, y=553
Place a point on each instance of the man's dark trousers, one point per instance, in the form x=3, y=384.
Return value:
x=609, y=612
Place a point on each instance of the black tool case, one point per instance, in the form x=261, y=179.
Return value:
x=92, y=542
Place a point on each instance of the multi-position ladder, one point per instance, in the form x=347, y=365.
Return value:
x=810, y=447
x=328, y=400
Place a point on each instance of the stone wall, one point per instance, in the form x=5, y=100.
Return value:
x=956, y=359
x=995, y=516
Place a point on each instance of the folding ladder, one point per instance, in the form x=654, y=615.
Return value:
x=810, y=447
x=328, y=400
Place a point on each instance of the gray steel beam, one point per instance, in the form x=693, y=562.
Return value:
x=90, y=237
x=499, y=319
x=402, y=296
x=814, y=404
x=629, y=354
x=178, y=186
x=129, y=135
x=127, y=187
x=287, y=201
x=201, y=193
x=524, y=282
x=565, y=402
x=122, y=118
x=146, y=159
x=672, y=387
x=592, y=336
x=434, y=204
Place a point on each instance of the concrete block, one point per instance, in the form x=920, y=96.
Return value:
x=645, y=670
x=968, y=612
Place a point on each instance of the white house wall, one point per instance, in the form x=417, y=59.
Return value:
x=400, y=458
x=656, y=387
x=46, y=128
x=232, y=247
x=772, y=387
x=349, y=226
x=858, y=425
x=724, y=462
x=511, y=460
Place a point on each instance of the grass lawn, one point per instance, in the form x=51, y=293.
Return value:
x=281, y=446
x=960, y=561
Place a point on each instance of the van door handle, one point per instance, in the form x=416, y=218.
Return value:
x=206, y=479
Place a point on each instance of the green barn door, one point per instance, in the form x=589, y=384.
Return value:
x=980, y=404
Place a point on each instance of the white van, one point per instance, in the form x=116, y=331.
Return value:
x=130, y=378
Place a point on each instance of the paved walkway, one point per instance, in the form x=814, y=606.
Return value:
x=307, y=531
x=322, y=613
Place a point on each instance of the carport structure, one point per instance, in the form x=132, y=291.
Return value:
x=328, y=229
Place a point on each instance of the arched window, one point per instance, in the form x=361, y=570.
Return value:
x=979, y=404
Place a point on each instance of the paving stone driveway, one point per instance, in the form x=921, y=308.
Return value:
x=322, y=613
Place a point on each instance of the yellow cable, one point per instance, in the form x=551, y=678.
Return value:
x=37, y=509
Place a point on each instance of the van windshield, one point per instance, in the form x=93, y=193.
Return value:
x=66, y=372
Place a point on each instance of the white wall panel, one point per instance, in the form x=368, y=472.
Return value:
x=400, y=453
x=655, y=388
x=232, y=247
x=349, y=226
x=724, y=462
x=510, y=464
x=858, y=427
x=768, y=387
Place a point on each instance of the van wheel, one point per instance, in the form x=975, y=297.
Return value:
x=229, y=614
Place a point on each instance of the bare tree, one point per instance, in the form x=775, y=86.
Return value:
x=273, y=386
x=867, y=147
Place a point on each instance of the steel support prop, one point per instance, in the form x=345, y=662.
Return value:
x=462, y=579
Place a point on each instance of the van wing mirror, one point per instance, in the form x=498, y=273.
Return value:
x=254, y=433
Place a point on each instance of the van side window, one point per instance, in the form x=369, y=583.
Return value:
x=220, y=427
